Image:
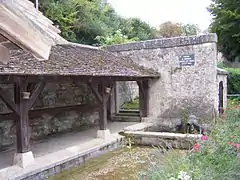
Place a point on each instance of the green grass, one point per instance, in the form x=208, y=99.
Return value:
x=233, y=70
x=131, y=105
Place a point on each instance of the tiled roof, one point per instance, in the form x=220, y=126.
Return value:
x=74, y=59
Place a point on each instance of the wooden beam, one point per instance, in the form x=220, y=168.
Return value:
x=8, y=101
x=143, y=98
x=34, y=95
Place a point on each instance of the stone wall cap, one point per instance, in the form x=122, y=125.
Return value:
x=165, y=42
x=222, y=71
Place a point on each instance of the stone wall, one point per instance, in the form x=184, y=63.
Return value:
x=191, y=87
x=128, y=90
x=222, y=76
x=51, y=122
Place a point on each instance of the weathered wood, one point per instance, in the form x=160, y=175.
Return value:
x=34, y=95
x=94, y=88
x=143, y=98
x=4, y=54
x=15, y=28
x=22, y=126
x=103, y=108
x=8, y=101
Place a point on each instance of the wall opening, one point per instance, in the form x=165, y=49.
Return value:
x=220, y=94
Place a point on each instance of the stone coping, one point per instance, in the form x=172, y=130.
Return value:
x=165, y=43
x=164, y=135
x=137, y=127
x=222, y=71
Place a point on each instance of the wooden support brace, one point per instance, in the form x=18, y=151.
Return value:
x=35, y=93
x=8, y=101
x=94, y=87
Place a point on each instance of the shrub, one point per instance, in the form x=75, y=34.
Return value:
x=233, y=80
x=213, y=157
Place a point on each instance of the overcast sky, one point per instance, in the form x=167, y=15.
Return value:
x=156, y=12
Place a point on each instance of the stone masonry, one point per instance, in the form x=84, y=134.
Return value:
x=128, y=90
x=191, y=88
x=44, y=124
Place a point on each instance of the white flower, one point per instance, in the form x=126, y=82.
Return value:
x=183, y=176
x=172, y=178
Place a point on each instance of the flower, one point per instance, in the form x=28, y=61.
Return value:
x=204, y=138
x=236, y=145
x=236, y=106
x=233, y=136
x=183, y=176
x=196, y=147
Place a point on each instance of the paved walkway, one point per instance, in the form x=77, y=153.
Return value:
x=61, y=142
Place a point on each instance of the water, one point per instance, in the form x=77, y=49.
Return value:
x=120, y=164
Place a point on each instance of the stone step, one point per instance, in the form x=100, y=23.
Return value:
x=126, y=118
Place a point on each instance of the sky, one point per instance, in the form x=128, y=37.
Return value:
x=156, y=12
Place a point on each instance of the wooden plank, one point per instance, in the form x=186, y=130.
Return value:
x=4, y=54
x=8, y=101
x=15, y=29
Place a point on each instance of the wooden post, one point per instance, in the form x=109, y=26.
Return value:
x=22, y=123
x=24, y=104
x=102, y=91
x=143, y=98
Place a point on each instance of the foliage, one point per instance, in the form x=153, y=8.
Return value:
x=83, y=20
x=226, y=24
x=170, y=29
x=233, y=80
x=116, y=38
x=63, y=14
x=136, y=28
x=132, y=105
x=213, y=157
x=190, y=29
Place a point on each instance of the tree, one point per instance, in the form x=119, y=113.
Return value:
x=226, y=23
x=83, y=20
x=116, y=38
x=170, y=29
x=136, y=28
x=190, y=29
